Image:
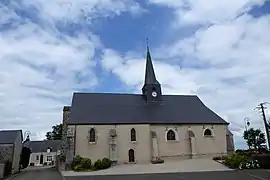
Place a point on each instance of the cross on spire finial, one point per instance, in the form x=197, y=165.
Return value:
x=147, y=44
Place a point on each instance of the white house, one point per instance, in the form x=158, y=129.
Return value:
x=43, y=152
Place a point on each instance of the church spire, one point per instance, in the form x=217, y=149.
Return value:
x=151, y=88
x=150, y=77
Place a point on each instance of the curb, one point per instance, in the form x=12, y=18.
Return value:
x=60, y=172
x=63, y=177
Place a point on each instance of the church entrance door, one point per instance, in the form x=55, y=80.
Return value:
x=131, y=155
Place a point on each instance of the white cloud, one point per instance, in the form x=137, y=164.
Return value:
x=69, y=10
x=207, y=11
x=233, y=52
x=40, y=64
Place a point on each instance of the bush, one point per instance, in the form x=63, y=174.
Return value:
x=78, y=167
x=244, y=152
x=76, y=161
x=98, y=164
x=249, y=164
x=216, y=158
x=239, y=161
x=235, y=161
x=86, y=163
x=81, y=164
x=106, y=163
x=102, y=164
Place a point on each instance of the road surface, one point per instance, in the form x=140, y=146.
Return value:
x=217, y=175
x=38, y=174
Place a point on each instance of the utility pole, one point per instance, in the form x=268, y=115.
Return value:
x=261, y=107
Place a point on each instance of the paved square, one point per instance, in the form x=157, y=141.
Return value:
x=191, y=165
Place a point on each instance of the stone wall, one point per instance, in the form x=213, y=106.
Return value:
x=67, y=142
x=6, y=152
x=66, y=112
x=2, y=168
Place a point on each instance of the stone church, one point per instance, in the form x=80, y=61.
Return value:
x=139, y=128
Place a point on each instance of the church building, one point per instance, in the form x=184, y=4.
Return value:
x=140, y=128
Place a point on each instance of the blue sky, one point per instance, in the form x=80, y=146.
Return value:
x=217, y=50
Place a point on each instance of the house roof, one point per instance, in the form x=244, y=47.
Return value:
x=9, y=136
x=42, y=146
x=106, y=108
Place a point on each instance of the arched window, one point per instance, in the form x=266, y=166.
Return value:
x=207, y=132
x=132, y=134
x=92, y=135
x=171, y=135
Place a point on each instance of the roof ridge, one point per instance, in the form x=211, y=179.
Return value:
x=9, y=130
x=130, y=94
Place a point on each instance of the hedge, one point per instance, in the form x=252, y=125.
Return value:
x=85, y=164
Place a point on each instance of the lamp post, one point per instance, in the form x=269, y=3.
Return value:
x=247, y=124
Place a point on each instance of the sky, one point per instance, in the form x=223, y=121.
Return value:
x=218, y=50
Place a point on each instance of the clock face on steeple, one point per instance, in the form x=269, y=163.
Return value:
x=154, y=94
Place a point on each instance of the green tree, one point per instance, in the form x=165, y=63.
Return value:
x=255, y=138
x=56, y=133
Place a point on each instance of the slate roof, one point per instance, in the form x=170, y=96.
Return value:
x=42, y=146
x=108, y=108
x=9, y=136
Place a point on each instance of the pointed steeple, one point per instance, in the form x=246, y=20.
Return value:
x=151, y=88
x=150, y=77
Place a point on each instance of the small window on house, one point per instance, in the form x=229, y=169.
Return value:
x=37, y=158
x=207, y=132
x=171, y=135
x=92, y=135
x=49, y=158
x=49, y=150
x=133, y=134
